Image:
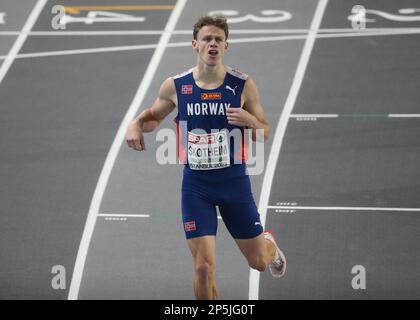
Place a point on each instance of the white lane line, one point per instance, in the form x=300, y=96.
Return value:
x=346, y=208
x=33, y=16
x=367, y=34
x=401, y=115
x=254, y=276
x=149, y=32
x=356, y=115
x=113, y=152
x=188, y=43
x=367, y=30
x=85, y=51
x=138, y=47
x=188, y=32
x=123, y=215
x=314, y=116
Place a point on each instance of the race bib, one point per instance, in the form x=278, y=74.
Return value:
x=208, y=151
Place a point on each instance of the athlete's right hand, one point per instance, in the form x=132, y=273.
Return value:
x=135, y=137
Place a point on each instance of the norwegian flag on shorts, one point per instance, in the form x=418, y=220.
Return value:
x=186, y=89
x=189, y=226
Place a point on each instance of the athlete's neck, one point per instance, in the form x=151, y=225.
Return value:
x=208, y=75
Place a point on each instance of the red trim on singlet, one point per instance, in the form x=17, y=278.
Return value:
x=243, y=151
x=180, y=147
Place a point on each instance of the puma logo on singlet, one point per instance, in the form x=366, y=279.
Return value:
x=233, y=90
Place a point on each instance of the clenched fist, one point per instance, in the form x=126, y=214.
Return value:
x=134, y=136
x=240, y=117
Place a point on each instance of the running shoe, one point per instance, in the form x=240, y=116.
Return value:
x=278, y=266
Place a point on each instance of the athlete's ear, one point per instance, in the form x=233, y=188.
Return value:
x=226, y=45
x=194, y=45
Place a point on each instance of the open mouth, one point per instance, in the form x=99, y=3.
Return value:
x=213, y=53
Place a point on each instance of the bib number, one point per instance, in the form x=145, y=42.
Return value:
x=208, y=151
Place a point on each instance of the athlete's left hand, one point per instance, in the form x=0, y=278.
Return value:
x=240, y=117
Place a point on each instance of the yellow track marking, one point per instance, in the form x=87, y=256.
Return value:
x=78, y=9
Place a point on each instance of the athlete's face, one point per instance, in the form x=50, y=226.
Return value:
x=210, y=45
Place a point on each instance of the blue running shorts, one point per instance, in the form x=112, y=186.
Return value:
x=229, y=189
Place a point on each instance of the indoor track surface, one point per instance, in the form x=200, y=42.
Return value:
x=340, y=178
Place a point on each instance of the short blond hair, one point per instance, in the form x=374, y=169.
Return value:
x=219, y=22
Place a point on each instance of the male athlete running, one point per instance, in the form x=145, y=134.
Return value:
x=213, y=100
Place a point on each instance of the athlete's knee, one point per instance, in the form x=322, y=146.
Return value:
x=204, y=270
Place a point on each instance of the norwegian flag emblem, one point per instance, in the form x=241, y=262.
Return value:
x=189, y=226
x=186, y=89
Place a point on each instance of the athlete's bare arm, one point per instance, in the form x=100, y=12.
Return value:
x=150, y=118
x=251, y=115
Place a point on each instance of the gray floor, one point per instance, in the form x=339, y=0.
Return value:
x=60, y=115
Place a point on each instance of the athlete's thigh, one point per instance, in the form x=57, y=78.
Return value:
x=198, y=212
x=239, y=211
x=241, y=219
